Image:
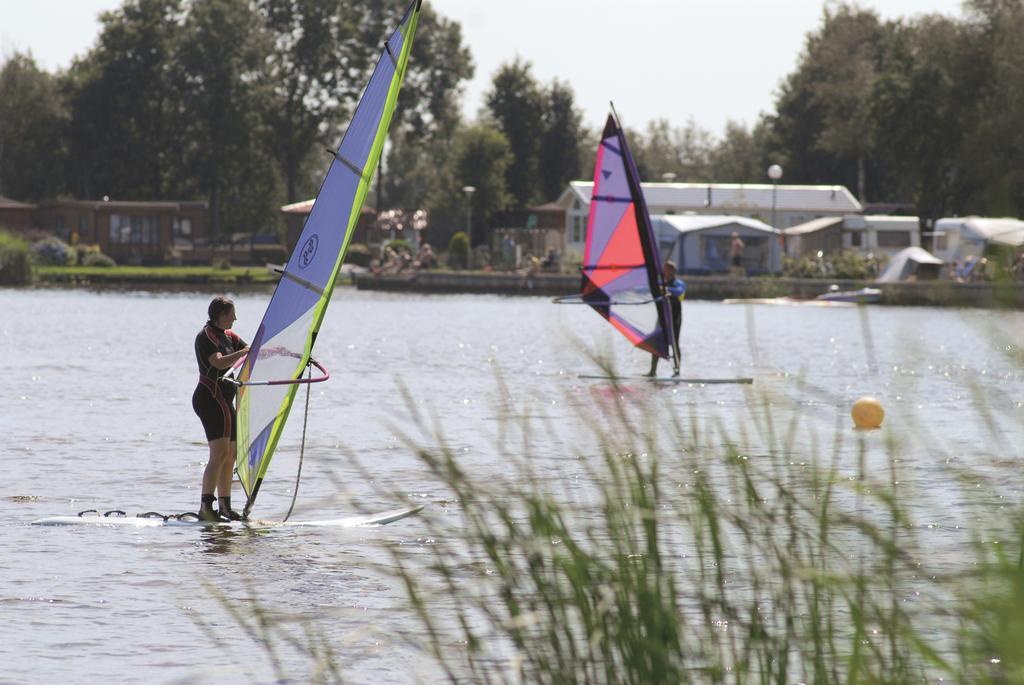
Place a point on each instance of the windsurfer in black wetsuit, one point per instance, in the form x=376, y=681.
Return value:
x=675, y=291
x=218, y=348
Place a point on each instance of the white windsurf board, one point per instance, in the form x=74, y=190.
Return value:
x=378, y=519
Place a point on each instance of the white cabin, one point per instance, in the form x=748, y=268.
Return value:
x=787, y=205
x=956, y=239
x=699, y=244
x=865, y=233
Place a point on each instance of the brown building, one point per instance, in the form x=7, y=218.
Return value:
x=130, y=232
x=15, y=215
x=539, y=230
x=295, y=218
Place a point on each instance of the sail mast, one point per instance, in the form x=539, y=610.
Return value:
x=652, y=258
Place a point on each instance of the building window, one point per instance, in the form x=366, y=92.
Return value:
x=893, y=239
x=714, y=252
x=59, y=227
x=941, y=244
x=855, y=239
x=578, y=230
x=182, y=227
x=134, y=230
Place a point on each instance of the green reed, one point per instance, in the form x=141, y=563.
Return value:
x=670, y=545
x=688, y=558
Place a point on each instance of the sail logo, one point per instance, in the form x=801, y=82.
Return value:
x=308, y=251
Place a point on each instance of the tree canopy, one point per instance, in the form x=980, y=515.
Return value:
x=33, y=129
x=233, y=101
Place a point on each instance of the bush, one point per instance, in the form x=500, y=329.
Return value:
x=98, y=259
x=172, y=256
x=222, y=263
x=572, y=261
x=52, y=251
x=358, y=254
x=15, y=265
x=846, y=264
x=401, y=245
x=82, y=251
x=458, y=251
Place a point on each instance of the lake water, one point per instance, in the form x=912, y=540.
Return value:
x=95, y=413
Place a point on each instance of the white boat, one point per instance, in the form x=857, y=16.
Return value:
x=862, y=296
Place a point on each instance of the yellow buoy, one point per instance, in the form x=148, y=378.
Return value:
x=867, y=412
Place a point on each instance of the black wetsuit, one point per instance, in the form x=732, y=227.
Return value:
x=213, y=401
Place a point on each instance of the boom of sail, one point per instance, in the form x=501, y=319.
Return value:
x=284, y=341
x=622, y=278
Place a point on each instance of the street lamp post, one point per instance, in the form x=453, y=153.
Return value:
x=775, y=173
x=469, y=190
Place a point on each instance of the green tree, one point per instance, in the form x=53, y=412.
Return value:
x=822, y=124
x=682, y=152
x=219, y=76
x=742, y=156
x=416, y=169
x=925, y=112
x=32, y=124
x=427, y=115
x=125, y=123
x=440, y=64
x=516, y=104
x=844, y=58
x=314, y=76
x=996, y=57
x=481, y=159
x=559, y=158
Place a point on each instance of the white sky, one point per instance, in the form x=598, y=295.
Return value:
x=712, y=60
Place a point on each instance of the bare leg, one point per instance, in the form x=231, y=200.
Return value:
x=226, y=471
x=211, y=476
x=654, y=366
x=212, y=473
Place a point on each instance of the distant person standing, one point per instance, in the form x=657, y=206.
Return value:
x=218, y=348
x=736, y=253
x=675, y=291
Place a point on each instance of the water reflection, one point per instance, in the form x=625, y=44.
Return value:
x=223, y=540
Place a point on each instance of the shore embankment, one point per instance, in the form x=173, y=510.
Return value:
x=926, y=293
x=146, y=276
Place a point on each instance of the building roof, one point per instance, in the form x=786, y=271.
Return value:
x=8, y=203
x=688, y=223
x=733, y=196
x=814, y=225
x=881, y=221
x=1005, y=230
x=121, y=204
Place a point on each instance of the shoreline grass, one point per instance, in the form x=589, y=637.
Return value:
x=152, y=274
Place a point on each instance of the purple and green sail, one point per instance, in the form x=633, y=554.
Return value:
x=284, y=340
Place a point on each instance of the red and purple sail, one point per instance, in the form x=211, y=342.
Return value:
x=621, y=267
